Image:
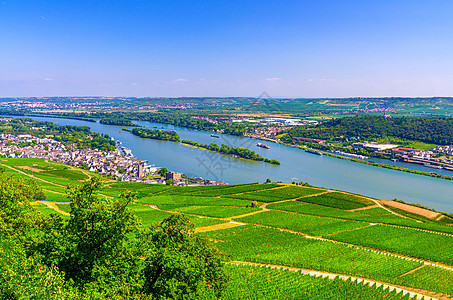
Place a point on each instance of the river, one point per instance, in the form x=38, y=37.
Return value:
x=296, y=165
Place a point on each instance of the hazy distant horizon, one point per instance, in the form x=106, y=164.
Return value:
x=220, y=97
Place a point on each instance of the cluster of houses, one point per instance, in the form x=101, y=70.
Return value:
x=417, y=153
x=448, y=150
x=119, y=164
x=109, y=163
x=206, y=119
x=268, y=131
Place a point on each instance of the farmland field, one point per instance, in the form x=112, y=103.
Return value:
x=179, y=190
x=69, y=174
x=361, y=215
x=306, y=224
x=184, y=200
x=236, y=190
x=277, y=194
x=375, y=211
x=432, y=278
x=251, y=282
x=51, y=196
x=339, y=200
x=266, y=245
x=210, y=211
x=435, y=247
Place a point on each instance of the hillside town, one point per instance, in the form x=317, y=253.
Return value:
x=118, y=164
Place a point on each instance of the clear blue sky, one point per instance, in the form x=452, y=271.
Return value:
x=226, y=48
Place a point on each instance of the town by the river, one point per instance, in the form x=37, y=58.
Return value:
x=296, y=165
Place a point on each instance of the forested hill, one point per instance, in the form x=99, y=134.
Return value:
x=429, y=130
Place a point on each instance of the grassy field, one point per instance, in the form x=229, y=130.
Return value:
x=422, y=146
x=51, y=196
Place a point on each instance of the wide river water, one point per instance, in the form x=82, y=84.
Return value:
x=296, y=165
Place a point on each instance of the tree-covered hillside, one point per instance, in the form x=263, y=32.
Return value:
x=429, y=130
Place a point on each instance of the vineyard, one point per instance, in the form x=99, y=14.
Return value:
x=184, y=200
x=272, y=246
x=279, y=194
x=251, y=282
x=310, y=228
x=178, y=190
x=431, y=278
x=339, y=200
x=307, y=224
x=425, y=245
x=211, y=211
x=361, y=215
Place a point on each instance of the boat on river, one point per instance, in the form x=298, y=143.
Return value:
x=433, y=166
x=263, y=146
x=215, y=136
x=313, y=152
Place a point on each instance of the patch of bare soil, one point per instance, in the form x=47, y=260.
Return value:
x=412, y=209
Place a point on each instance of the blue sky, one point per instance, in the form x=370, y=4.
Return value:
x=226, y=48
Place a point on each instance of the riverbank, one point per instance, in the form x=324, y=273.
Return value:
x=375, y=164
x=370, y=163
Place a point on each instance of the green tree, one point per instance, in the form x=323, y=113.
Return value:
x=163, y=171
x=97, y=247
x=23, y=277
x=183, y=266
x=16, y=214
x=103, y=251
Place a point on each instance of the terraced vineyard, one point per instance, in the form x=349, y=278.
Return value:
x=272, y=246
x=277, y=194
x=183, y=200
x=211, y=211
x=234, y=190
x=251, y=282
x=339, y=200
x=302, y=223
x=310, y=228
x=425, y=245
x=360, y=215
x=431, y=278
